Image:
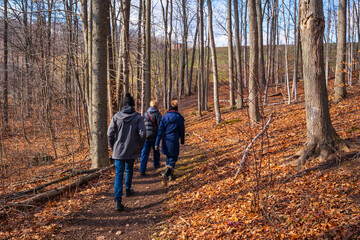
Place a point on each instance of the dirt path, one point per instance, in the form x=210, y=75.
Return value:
x=143, y=211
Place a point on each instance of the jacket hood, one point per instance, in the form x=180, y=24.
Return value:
x=127, y=114
x=173, y=116
x=152, y=110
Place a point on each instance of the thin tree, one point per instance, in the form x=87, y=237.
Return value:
x=240, y=101
x=148, y=55
x=321, y=136
x=230, y=55
x=260, y=42
x=254, y=112
x=214, y=65
x=340, y=88
x=6, y=81
x=99, y=149
x=327, y=59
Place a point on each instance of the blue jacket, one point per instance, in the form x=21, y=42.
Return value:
x=171, y=129
x=126, y=134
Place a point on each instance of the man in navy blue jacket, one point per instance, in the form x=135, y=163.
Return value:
x=171, y=130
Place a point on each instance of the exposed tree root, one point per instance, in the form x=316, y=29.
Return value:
x=321, y=150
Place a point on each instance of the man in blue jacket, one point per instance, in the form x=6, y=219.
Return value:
x=126, y=136
x=171, y=130
x=152, y=119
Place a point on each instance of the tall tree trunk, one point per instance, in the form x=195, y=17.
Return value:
x=296, y=50
x=230, y=55
x=148, y=55
x=253, y=64
x=6, y=81
x=126, y=43
x=99, y=149
x=321, y=136
x=183, y=49
x=328, y=25
x=240, y=101
x=201, y=57
x=111, y=67
x=286, y=56
x=214, y=65
x=340, y=88
x=193, y=59
x=260, y=42
x=138, y=57
x=165, y=20
x=245, y=45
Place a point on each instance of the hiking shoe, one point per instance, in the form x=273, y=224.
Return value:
x=172, y=177
x=164, y=180
x=142, y=174
x=129, y=192
x=157, y=167
x=119, y=206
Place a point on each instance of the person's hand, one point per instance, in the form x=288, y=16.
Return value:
x=156, y=148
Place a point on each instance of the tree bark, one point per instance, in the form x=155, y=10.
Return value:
x=340, y=88
x=230, y=55
x=253, y=64
x=240, y=101
x=148, y=55
x=321, y=136
x=214, y=65
x=99, y=148
x=260, y=41
x=6, y=81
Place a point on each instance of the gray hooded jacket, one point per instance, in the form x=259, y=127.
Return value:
x=126, y=134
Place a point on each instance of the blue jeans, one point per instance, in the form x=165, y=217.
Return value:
x=120, y=167
x=145, y=156
x=171, y=160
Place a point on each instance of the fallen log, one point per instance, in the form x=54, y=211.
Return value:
x=48, y=195
x=250, y=144
x=42, y=186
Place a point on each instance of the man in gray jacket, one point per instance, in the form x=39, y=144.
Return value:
x=126, y=135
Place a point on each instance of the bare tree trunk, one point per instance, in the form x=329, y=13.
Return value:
x=193, y=59
x=286, y=56
x=165, y=20
x=328, y=25
x=321, y=136
x=6, y=81
x=230, y=55
x=261, y=44
x=245, y=44
x=111, y=67
x=240, y=101
x=148, y=55
x=214, y=65
x=253, y=63
x=296, y=50
x=201, y=58
x=125, y=9
x=170, y=86
x=138, y=58
x=340, y=88
x=184, y=49
x=99, y=149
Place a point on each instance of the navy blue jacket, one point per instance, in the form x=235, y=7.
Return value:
x=126, y=134
x=152, y=125
x=171, y=129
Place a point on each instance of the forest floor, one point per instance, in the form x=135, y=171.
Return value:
x=269, y=199
x=141, y=217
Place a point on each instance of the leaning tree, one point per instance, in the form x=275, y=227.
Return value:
x=322, y=138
